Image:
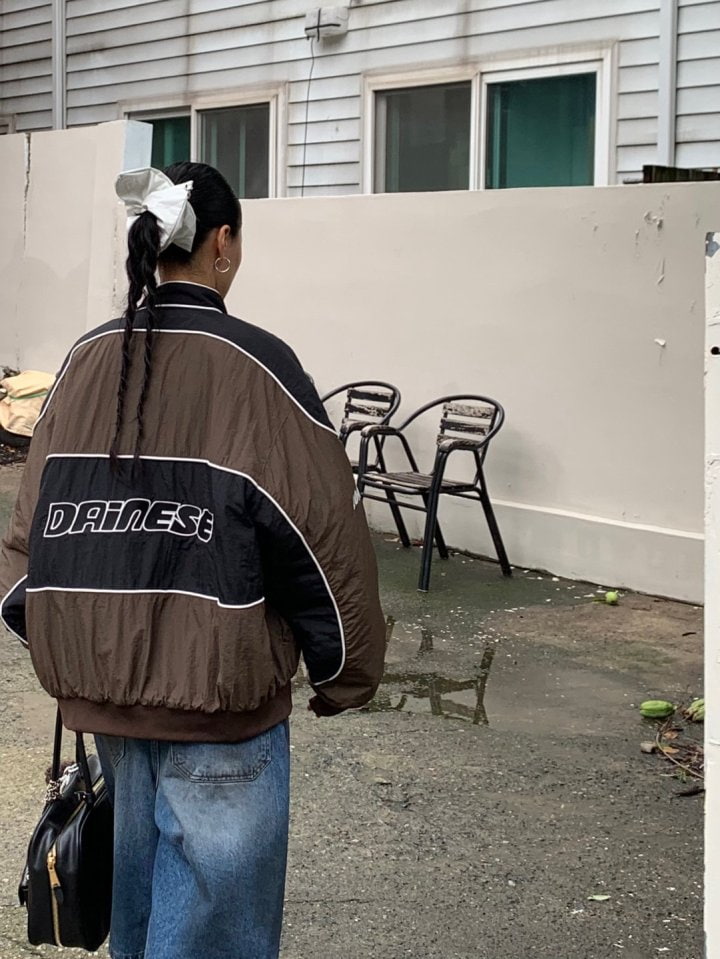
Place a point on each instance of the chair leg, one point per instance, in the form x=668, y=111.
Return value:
x=440, y=541
x=494, y=530
x=399, y=521
x=392, y=501
x=439, y=538
x=428, y=539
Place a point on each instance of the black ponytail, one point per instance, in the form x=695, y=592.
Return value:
x=141, y=265
x=215, y=205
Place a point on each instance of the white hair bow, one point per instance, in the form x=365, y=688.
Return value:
x=149, y=189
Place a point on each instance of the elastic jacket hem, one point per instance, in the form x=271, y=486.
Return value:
x=174, y=725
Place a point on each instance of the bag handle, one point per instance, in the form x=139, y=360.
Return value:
x=57, y=747
x=82, y=761
x=80, y=758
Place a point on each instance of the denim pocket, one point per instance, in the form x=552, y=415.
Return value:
x=222, y=762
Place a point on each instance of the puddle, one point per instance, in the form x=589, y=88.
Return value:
x=508, y=689
x=534, y=654
x=440, y=695
x=420, y=693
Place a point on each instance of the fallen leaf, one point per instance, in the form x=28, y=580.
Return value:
x=692, y=791
x=670, y=734
x=669, y=750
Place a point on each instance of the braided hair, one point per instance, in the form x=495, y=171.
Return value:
x=215, y=205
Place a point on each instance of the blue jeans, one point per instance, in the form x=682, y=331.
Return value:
x=201, y=832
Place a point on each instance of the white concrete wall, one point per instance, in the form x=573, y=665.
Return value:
x=549, y=300
x=57, y=245
x=712, y=603
x=13, y=185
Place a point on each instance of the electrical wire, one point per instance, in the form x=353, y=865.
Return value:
x=307, y=112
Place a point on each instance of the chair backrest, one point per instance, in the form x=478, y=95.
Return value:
x=468, y=420
x=370, y=405
x=367, y=402
x=468, y=417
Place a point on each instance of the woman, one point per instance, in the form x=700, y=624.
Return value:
x=187, y=524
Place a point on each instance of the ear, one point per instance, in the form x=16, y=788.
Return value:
x=224, y=239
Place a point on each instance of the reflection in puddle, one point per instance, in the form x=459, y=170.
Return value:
x=414, y=690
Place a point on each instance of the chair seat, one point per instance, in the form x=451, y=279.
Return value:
x=417, y=481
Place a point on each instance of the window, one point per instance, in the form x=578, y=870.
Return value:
x=171, y=140
x=171, y=136
x=238, y=139
x=541, y=132
x=423, y=137
x=518, y=123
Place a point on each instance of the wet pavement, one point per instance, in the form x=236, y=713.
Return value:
x=493, y=786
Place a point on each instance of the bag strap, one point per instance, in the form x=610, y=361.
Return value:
x=82, y=761
x=57, y=747
x=80, y=758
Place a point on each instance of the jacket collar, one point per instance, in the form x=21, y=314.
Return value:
x=184, y=293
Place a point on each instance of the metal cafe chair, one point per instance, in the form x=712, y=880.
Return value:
x=367, y=403
x=468, y=423
x=370, y=403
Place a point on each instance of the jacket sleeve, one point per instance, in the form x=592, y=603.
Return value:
x=14, y=546
x=319, y=566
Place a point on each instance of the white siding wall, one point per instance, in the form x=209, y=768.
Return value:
x=25, y=63
x=698, y=97
x=179, y=49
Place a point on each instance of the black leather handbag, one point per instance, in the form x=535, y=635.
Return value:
x=67, y=882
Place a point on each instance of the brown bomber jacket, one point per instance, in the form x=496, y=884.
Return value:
x=172, y=600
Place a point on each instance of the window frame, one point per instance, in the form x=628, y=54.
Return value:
x=557, y=62
x=599, y=62
x=440, y=76
x=193, y=107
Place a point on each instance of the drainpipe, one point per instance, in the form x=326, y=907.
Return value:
x=712, y=597
x=667, y=90
x=59, y=71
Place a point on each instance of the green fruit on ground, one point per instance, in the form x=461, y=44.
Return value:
x=656, y=709
x=611, y=598
x=696, y=711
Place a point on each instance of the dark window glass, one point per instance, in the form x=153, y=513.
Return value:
x=423, y=139
x=236, y=140
x=541, y=132
x=171, y=140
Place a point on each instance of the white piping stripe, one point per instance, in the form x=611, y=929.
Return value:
x=183, y=306
x=178, y=592
x=2, y=617
x=221, y=339
x=204, y=286
x=227, y=469
x=212, y=336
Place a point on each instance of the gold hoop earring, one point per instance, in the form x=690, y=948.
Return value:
x=226, y=267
